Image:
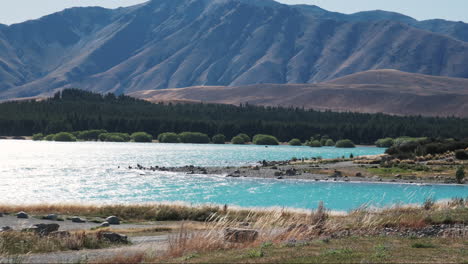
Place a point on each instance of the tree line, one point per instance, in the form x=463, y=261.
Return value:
x=77, y=110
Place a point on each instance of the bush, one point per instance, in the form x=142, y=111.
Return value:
x=245, y=137
x=142, y=137
x=114, y=137
x=295, y=142
x=37, y=137
x=422, y=245
x=64, y=137
x=314, y=144
x=49, y=137
x=460, y=174
x=219, y=139
x=384, y=142
x=88, y=135
x=238, y=140
x=461, y=154
x=168, y=137
x=265, y=140
x=345, y=143
x=194, y=138
x=330, y=143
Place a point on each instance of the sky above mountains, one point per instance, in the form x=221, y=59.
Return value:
x=21, y=10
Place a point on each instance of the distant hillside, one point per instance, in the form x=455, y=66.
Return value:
x=379, y=91
x=180, y=43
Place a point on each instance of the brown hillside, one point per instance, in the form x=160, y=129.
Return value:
x=377, y=91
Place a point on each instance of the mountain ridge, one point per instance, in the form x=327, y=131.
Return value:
x=165, y=44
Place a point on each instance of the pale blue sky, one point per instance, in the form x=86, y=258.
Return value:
x=14, y=11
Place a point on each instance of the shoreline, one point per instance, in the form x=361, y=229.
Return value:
x=284, y=170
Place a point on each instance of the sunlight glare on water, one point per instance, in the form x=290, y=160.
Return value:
x=49, y=172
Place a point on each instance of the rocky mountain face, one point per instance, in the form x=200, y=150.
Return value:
x=180, y=43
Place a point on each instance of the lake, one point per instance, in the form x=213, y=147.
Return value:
x=88, y=172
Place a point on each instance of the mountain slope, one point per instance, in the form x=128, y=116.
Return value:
x=380, y=91
x=180, y=43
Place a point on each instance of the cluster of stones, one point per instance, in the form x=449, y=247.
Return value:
x=52, y=229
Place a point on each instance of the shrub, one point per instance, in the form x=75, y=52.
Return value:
x=330, y=143
x=422, y=245
x=219, y=139
x=460, y=174
x=295, y=142
x=345, y=143
x=64, y=137
x=384, y=142
x=238, y=140
x=265, y=140
x=314, y=144
x=142, y=137
x=90, y=134
x=245, y=137
x=114, y=137
x=49, y=137
x=194, y=138
x=37, y=137
x=168, y=137
x=461, y=154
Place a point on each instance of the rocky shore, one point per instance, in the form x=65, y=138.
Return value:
x=341, y=170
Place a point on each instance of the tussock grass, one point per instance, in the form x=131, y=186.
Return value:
x=15, y=243
x=142, y=212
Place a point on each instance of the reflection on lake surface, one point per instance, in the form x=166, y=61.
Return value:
x=33, y=172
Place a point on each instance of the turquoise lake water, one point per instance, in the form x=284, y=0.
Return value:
x=88, y=172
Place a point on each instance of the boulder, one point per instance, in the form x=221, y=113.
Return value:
x=43, y=229
x=114, y=237
x=77, y=220
x=52, y=217
x=337, y=174
x=104, y=224
x=113, y=220
x=358, y=174
x=291, y=172
x=6, y=229
x=237, y=235
x=22, y=215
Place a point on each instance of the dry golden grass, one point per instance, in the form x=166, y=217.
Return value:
x=14, y=242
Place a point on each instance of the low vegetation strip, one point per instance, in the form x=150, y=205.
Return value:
x=77, y=110
x=279, y=235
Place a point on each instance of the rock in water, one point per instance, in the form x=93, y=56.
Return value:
x=104, y=224
x=114, y=237
x=113, y=220
x=1, y=214
x=237, y=235
x=22, y=215
x=77, y=220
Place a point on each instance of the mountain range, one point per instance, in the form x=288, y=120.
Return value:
x=233, y=43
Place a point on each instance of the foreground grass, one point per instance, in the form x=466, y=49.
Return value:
x=16, y=243
x=346, y=250
x=327, y=237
